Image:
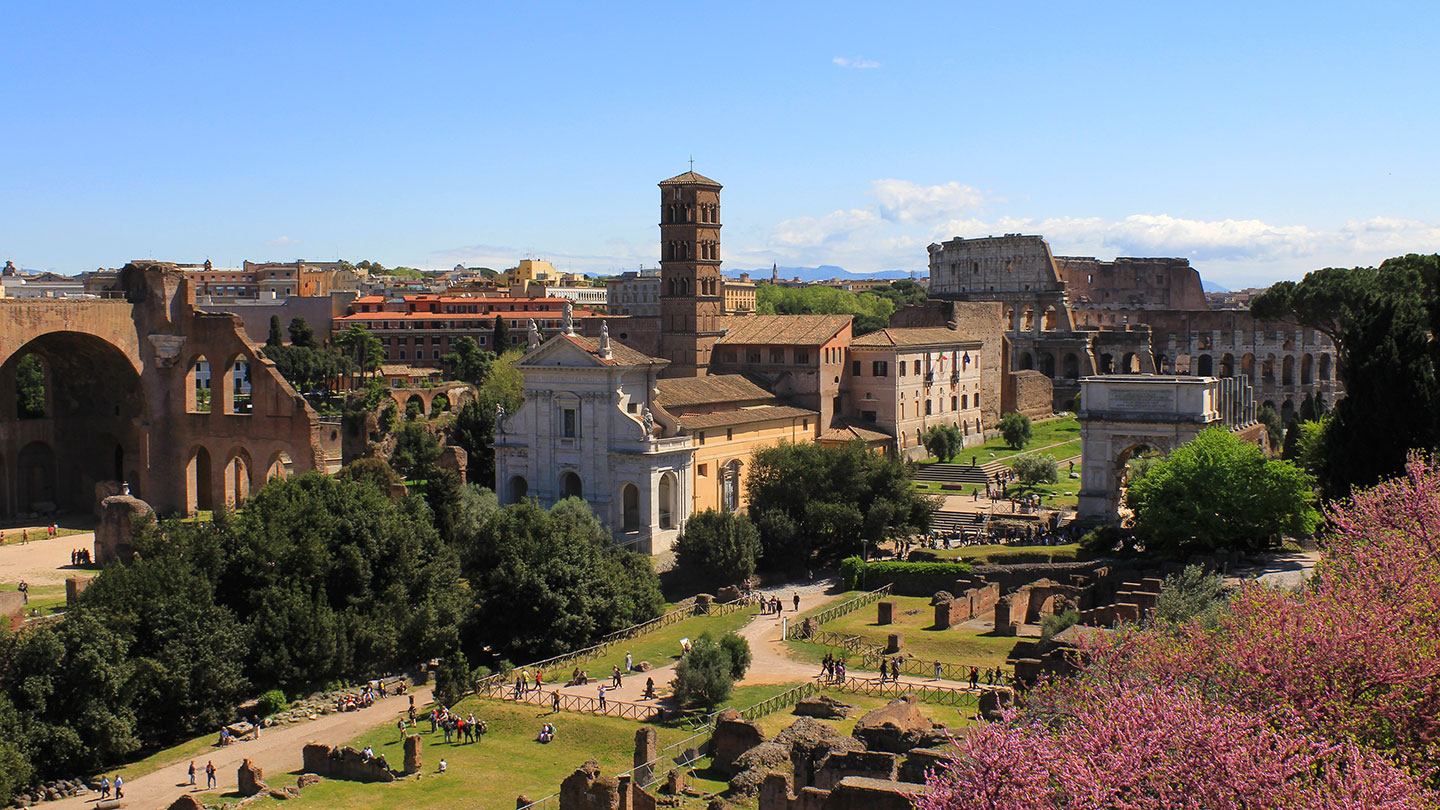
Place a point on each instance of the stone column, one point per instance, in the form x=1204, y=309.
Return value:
x=646, y=750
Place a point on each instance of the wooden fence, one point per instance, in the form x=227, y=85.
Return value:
x=830, y=614
x=930, y=693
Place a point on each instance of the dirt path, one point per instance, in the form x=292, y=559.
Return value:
x=277, y=752
x=43, y=562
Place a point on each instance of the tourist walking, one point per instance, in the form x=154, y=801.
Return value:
x=602, y=699
x=104, y=788
x=797, y=601
x=629, y=663
x=119, y=786
x=974, y=677
x=209, y=774
x=192, y=773
x=555, y=701
x=937, y=669
x=25, y=591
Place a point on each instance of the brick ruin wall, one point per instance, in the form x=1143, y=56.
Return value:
x=1032, y=394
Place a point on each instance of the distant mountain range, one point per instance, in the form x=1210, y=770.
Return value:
x=822, y=273
x=1210, y=286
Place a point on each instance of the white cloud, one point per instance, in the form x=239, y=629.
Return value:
x=281, y=241
x=861, y=64
x=802, y=232
x=622, y=256
x=904, y=201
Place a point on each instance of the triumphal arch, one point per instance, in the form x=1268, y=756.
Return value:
x=140, y=387
x=1121, y=416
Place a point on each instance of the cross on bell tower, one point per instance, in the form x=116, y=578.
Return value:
x=691, y=287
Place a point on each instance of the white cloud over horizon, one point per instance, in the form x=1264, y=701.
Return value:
x=857, y=64
x=281, y=241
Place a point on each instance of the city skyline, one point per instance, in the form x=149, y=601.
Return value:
x=1257, y=142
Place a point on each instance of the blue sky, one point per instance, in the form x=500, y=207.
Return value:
x=1260, y=140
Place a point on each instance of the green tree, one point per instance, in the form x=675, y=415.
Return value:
x=1036, y=468
x=1274, y=428
x=301, y=334
x=550, y=581
x=1382, y=321
x=363, y=348
x=416, y=450
x=453, y=679
x=473, y=430
x=1219, y=492
x=1290, y=447
x=275, y=338
x=829, y=502
x=371, y=471
x=468, y=362
x=500, y=338
x=943, y=441
x=30, y=387
x=16, y=770
x=707, y=674
x=1015, y=428
x=1188, y=595
x=740, y=656
x=723, y=546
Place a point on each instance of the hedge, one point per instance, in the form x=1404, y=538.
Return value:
x=859, y=574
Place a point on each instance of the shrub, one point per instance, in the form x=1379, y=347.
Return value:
x=271, y=702
x=858, y=573
x=1036, y=469
x=706, y=675
x=1015, y=427
x=722, y=546
x=453, y=679
x=740, y=656
x=943, y=441
x=1055, y=622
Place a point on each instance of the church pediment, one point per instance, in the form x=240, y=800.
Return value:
x=560, y=351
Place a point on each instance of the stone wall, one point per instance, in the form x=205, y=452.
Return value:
x=344, y=763
x=1032, y=394
x=976, y=600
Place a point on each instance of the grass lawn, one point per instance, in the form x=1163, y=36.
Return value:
x=47, y=599
x=915, y=618
x=1043, y=434
x=952, y=716
x=1002, y=554
x=15, y=535
x=487, y=775
x=661, y=647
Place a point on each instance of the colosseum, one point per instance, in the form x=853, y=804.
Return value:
x=1072, y=317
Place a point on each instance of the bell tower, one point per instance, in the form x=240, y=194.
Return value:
x=692, y=294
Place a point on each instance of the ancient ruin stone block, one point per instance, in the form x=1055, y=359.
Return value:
x=308, y=780
x=315, y=758
x=647, y=748
x=413, y=763
x=886, y=613
x=894, y=642
x=74, y=586
x=675, y=782
x=872, y=764
x=898, y=727
x=250, y=780
x=119, y=516
x=775, y=792
x=944, y=615
x=919, y=761
x=823, y=707
x=994, y=701
x=186, y=802
x=733, y=737
x=861, y=793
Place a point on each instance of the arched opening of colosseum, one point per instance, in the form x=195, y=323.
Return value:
x=1131, y=364
x=1307, y=369
x=1205, y=367
x=1267, y=369
x=1227, y=365
x=1051, y=320
x=89, y=406
x=199, y=482
x=1071, y=366
x=280, y=466
x=1325, y=367
x=237, y=478
x=1027, y=361
x=197, y=385
x=1287, y=411
x=1247, y=366
x=1160, y=361
x=1010, y=324
x=1047, y=364
x=237, y=386
x=1107, y=364
x=1027, y=320
x=1287, y=370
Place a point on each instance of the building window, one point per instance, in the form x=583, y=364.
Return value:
x=855, y=368
x=965, y=402
x=880, y=368
x=901, y=365
x=702, y=470
x=569, y=423
x=868, y=416
x=777, y=356
x=701, y=436
x=752, y=357
x=953, y=404
x=633, y=408
x=927, y=407
x=917, y=368
x=729, y=434
x=730, y=485
x=802, y=357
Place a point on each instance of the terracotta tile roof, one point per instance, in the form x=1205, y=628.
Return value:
x=620, y=354
x=690, y=178
x=683, y=391
x=795, y=330
x=914, y=336
x=743, y=416
x=402, y=370
x=848, y=431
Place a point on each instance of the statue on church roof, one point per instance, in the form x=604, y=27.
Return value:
x=568, y=323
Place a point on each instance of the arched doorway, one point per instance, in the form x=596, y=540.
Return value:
x=1205, y=367
x=1047, y=364
x=1287, y=370
x=1227, y=365
x=1247, y=367
x=237, y=478
x=1325, y=367
x=630, y=508
x=199, y=481
x=570, y=486
x=197, y=386
x=37, y=478
x=1307, y=369
x=517, y=488
x=237, y=377
x=280, y=466
x=730, y=484
x=1072, y=366
x=1107, y=364
x=666, y=496
x=1027, y=361
x=414, y=408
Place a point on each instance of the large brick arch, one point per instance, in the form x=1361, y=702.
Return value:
x=121, y=397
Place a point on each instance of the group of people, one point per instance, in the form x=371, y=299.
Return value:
x=457, y=728
x=52, y=530
x=119, y=786
x=365, y=698
x=832, y=669
x=547, y=733
x=210, y=780
x=775, y=606
x=80, y=556
x=993, y=677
